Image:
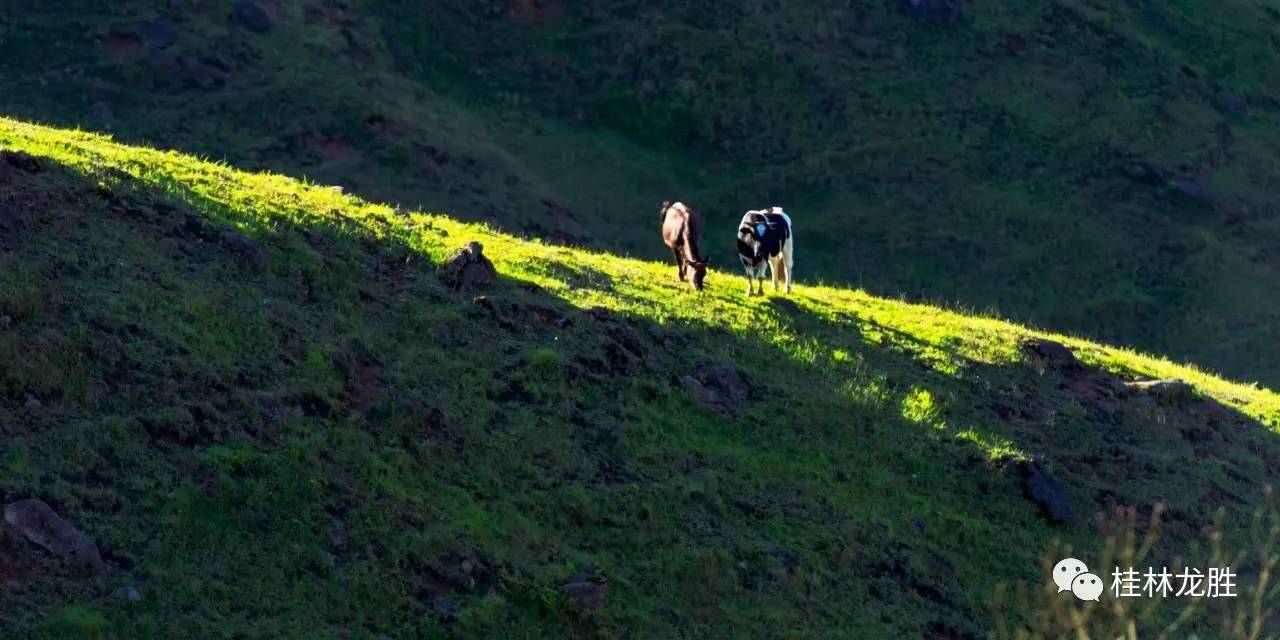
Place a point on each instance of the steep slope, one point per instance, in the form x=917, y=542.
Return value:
x=312, y=92
x=1089, y=167
x=1094, y=167
x=275, y=418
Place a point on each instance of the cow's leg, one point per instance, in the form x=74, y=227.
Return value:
x=788, y=260
x=675, y=253
x=751, y=291
x=773, y=274
x=781, y=268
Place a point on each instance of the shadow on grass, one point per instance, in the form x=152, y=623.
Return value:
x=331, y=440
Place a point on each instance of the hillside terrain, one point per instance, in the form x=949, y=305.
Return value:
x=1097, y=168
x=279, y=410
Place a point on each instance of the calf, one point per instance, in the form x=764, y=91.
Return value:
x=682, y=231
x=765, y=238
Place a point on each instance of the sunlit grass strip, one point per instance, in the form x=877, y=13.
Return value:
x=256, y=202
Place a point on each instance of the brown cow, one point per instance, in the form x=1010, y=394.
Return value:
x=682, y=230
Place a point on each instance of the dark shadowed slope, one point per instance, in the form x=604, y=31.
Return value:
x=1091, y=167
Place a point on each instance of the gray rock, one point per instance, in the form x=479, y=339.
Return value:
x=252, y=251
x=584, y=597
x=1052, y=353
x=468, y=268
x=338, y=536
x=130, y=594
x=670, y=616
x=38, y=523
x=166, y=63
x=1232, y=103
x=719, y=387
x=786, y=557
x=159, y=32
x=624, y=337
x=1194, y=189
x=201, y=75
x=657, y=332
x=935, y=11
x=460, y=582
x=1171, y=391
x=1046, y=491
x=1201, y=434
x=444, y=606
x=102, y=90
x=727, y=380
x=273, y=410
x=252, y=16
x=169, y=247
x=702, y=395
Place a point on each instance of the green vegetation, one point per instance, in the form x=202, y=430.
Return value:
x=334, y=442
x=1020, y=161
x=1129, y=543
x=298, y=430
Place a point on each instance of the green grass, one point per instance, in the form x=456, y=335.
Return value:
x=937, y=162
x=943, y=164
x=210, y=425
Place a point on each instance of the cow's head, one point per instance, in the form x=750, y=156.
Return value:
x=697, y=273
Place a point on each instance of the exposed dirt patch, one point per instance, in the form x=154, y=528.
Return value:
x=122, y=44
x=336, y=149
x=364, y=385
x=381, y=126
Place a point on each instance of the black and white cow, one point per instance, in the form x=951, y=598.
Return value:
x=765, y=238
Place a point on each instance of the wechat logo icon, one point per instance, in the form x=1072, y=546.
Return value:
x=1072, y=575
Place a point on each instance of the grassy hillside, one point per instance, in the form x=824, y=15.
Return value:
x=1090, y=167
x=264, y=404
